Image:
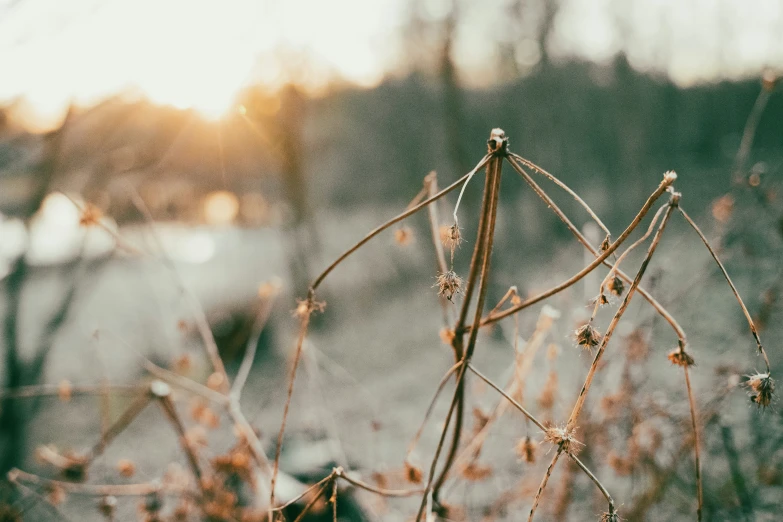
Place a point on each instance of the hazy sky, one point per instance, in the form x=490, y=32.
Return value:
x=198, y=53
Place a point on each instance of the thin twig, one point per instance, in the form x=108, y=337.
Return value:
x=543, y=484
x=751, y=324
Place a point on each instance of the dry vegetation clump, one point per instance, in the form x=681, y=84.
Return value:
x=243, y=483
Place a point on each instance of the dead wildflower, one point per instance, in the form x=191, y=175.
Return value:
x=616, y=285
x=526, y=450
x=413, y=474
x=64, y=390
x=307, y=307
x=449, y=284
x=680, y=357
x=563, y=439
x=606, y=243
x=451, y=237
x=549, y=394
x=610, y=517
x=126, y=468
x=600, y=299
x=762, y=387
x=587, y=337
x=90, y=215
x=476, y=472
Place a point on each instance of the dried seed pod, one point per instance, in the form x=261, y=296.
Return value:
x=449, y=284
x=562, y=438
x=413, y=473
x=616, y=285
x=526, y=450
x=762, y=388
x=680, y=357
x=587, y=337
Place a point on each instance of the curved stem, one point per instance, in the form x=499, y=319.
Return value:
x=751, y=324
x=541, y=487
x=668, y=179
x=696, y=446
x=318, y=280
x=616, y=319
x=582, y=239
x=442, y=383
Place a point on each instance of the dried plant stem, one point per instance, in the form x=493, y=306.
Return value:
x=563, y=186
x=309, y=505
x=482, y=257
x=201, y=319
x=508, y=397
x=476, y=263
x=668, y=179
x=696, y=445
x=616, y=319
x=74, y=488
x=582, y=239
x=119, y=425
x=251, y=346
x=751, y=324
x=318, y=280
x=749, y=133
x=431, y=185
x=291, y=379
x=542, y=486
x=414, y=442
x=53, y=390
x=171, y=412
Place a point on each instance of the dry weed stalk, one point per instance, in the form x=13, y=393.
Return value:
x=207, y=492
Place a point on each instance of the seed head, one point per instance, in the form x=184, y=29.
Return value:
x=307, y=307
x=606, y=243
x=587, y=337
x=449, y=284
x=762, y=387
x=610, y=517
x=414, y=474
x=451, y=237
x=680, y=357
x=562, y=438
x=616, y=286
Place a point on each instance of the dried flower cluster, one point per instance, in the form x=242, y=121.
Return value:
x=587, y=336
x=762, y=387
x=449, y=284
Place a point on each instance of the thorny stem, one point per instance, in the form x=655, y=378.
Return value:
x=696, y=445
x=498, y=145
x=582, y=239
x=616, y=319
x=751, y=324
x=544, y=481
x=318, y=280
x=668, y=179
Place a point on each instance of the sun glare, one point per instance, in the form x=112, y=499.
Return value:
x=186, y=54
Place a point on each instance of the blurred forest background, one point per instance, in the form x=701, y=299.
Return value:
x=221, y=147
